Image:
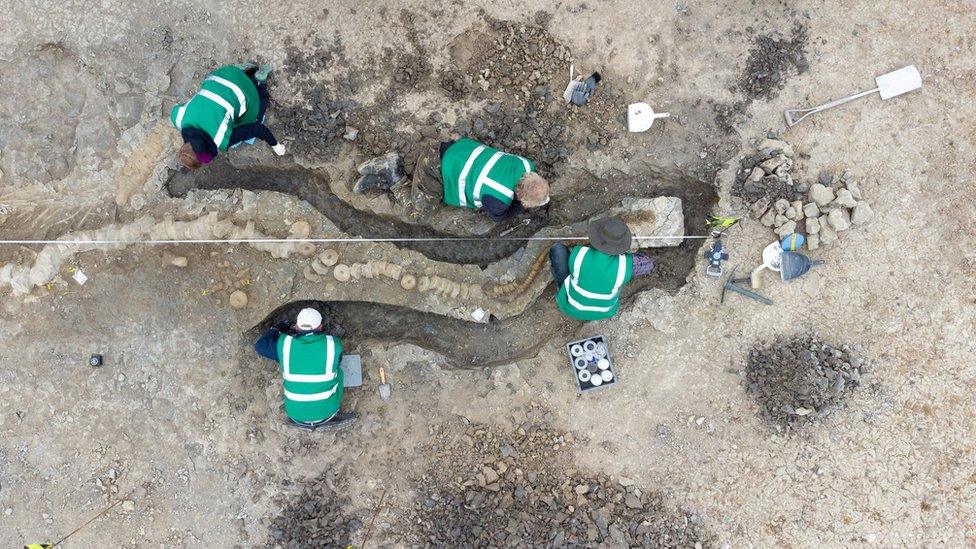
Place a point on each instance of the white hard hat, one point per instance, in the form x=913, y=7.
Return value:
x=309, y=319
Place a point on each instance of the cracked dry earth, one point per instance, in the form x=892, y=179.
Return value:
x=728, y=426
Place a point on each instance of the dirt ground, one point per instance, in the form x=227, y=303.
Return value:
x=183, y=422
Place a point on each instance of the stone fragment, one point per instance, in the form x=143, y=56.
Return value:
x=810, y=209
x=798, y=208
x=177, y=260
x=846, y=175
x=862, y=213
x=813, y=241
x=661, y=217
x=821, y=194
x=813, y=225
x=786, y=228
x=827, y=234
x=238, y=299
x=756, y=174
x=341, y=272
x=839, y=219
x=408, y=282
x=780, y=220
x=855, y=189
x=769, y=165
x=769, y=218
x=759, y=207
x=776, y=145
x=791, y=213
x=825, y=178
x=781, y=205
x=845, y=198
x=351, y=133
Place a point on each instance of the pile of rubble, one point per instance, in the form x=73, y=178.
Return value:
x=521, y=489
x=820, y=211
x=797, y=379
x=316, y=516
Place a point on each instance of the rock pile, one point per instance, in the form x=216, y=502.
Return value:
x=800, y=378
x=520, y=489
x=821, y=210
x=316, y=516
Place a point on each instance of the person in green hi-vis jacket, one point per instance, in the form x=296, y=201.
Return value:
x=309, y=361
x=228, y=110
x=590, y=278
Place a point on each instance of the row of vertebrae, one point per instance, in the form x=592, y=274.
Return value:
x=450, y=288
x=377, y=269
x=515, y=288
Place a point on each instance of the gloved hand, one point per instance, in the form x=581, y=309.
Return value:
x=279, y=149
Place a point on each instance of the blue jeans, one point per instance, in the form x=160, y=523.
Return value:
x=559, y=263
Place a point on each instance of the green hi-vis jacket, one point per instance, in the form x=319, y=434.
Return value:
x=592, y=289
x=312, y=377
x=227, y=99
x=471, y=170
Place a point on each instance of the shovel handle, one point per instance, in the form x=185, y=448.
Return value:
x=382, y=375
x=790, y=113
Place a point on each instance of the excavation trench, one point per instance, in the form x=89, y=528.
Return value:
x=572, y=203
x=469, y=344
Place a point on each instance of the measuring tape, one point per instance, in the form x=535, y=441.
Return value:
x=350, y=240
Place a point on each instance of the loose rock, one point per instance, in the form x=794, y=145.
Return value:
x=821, y=194
x=862, y=213
x=839, y=219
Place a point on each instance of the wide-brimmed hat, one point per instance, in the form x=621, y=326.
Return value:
x=609, y=235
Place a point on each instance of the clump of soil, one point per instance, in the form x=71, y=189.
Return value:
x=772, y=59
x=801, y=378
x=521, y=489
x=316, y=516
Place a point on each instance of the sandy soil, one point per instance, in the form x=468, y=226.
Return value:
x=185, y=417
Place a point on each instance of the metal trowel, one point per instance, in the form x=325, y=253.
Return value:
x=889, y=85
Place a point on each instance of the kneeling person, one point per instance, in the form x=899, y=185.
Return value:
x=309, y=361
x=590, y=277
x=462, y=173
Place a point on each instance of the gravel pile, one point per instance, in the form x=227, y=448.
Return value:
x=800, y=378
x=521, y=489
x=772, y=59
x=313, y=119
x=315, y=517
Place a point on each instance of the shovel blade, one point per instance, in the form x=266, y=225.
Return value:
x=384, y=391
x=898, y=82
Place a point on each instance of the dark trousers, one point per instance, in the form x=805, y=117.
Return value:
x=258, y=130
x=559, y=263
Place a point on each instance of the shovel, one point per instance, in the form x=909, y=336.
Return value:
x=640, y=117
x=384, y=386
x=890, y=85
